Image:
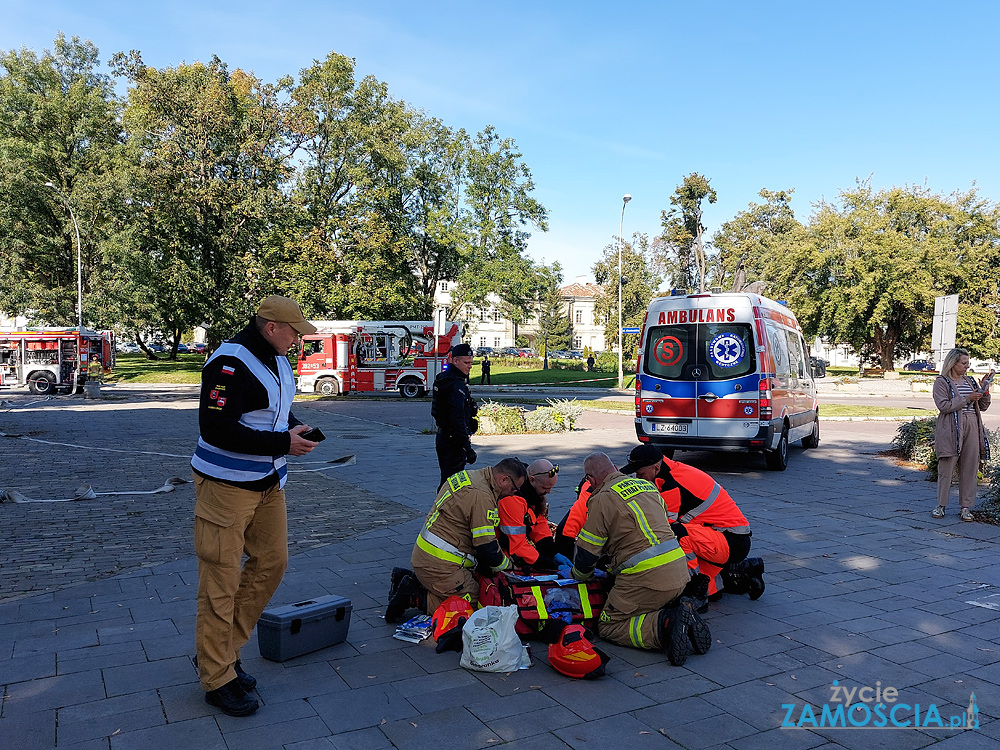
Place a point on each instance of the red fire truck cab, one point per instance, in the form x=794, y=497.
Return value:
x=54, y=359
x=360, y=356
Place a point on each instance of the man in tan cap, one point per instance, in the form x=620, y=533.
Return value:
x=247, y=429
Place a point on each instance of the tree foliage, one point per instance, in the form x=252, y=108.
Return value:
x=640, y=281
x=684, y=260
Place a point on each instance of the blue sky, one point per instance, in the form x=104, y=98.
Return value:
x=605, y=99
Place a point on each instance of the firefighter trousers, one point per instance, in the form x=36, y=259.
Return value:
x=443, y=580
x=230, y=521
x=632, y=612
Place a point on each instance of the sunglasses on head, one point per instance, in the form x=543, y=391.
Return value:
x=550, y=473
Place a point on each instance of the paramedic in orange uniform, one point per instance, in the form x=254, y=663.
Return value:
x=524, y=532
x=708, y=523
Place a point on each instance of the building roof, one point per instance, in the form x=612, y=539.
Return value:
x=582, y=290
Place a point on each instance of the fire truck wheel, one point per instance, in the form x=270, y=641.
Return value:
x=327, y=386
x=412, y=389
x=42, y=383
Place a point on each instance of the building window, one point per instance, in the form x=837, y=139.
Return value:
x=496, y=342
x=496, y=316
x=579, y=316
x=482, y=341
x=577, y=342
x=482, y=315
x=443, y=286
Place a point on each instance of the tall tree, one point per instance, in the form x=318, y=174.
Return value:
x=58, y=124
x=206, y=162
x=640, y=281
x=685, y=260
x=554, y=328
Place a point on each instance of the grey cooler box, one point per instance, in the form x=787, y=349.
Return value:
x=291, y=630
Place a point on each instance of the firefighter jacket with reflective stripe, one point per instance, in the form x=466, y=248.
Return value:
x=692, y=496
x=245, y=413
x=521, y=531
x=464, y=517
x=627, y=521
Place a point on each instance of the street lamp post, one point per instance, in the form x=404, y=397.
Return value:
x=79, y=263
x=621, y=241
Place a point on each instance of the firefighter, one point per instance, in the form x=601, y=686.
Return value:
x=524, y=531
x=626, y=520
x=454, y=412
x=459, y=533
x=709, y=525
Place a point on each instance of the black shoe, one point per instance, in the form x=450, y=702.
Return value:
x=232, y=699
x=755, y=587
x=398, y=574
x=407, y=597
x=699, y=636
x=734, y=583
x=247, y=681
x=697, y=591
x=674, y=623
x=754, y=566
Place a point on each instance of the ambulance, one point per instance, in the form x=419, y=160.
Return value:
x=724, y=371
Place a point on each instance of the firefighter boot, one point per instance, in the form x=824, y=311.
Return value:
x=398, y=574
x=409, y=594
x=745, y=577
x=699, y=636
x=697, y=591
x=674, y=621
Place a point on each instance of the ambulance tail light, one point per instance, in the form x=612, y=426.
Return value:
x=638, y=406
x=765, y=399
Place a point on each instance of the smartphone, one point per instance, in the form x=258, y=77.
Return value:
x=315, y=435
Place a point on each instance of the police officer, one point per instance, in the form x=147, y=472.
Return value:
x=626, y=520
x=247, y=429
x=458, y=534
x=454, y=411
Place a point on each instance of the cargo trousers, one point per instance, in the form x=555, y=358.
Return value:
x=631, y=614
x=230, y=521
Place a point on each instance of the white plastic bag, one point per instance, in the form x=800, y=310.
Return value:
x=490, y=642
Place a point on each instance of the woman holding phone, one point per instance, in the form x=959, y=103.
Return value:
x=959, y=438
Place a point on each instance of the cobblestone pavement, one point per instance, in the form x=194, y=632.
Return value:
x=863, y=587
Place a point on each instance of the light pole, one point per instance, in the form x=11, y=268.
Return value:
x=621, y=241
x=79, y=263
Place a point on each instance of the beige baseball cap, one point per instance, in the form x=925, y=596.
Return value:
x=285, y=310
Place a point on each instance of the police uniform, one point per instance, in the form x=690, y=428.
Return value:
x=239, y=474
x=626, y=520
x=460, y=531
x=454, y=412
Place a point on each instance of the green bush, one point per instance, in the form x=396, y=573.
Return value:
x=567, y=411
x=543, y=419
x=500, y=419
x=991, y=473
x=608, y=362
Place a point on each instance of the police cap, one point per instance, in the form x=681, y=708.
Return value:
x=461, y=350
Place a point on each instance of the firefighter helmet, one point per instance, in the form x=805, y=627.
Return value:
x=575, y=655
x=447, y=623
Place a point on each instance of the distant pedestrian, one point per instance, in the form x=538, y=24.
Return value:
x=590, y=363
x=487, y=366
x=959, y=437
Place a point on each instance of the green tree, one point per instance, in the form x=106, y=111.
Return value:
x=685, y=260
x=750, y=242
x=58, y=124
x=499, y=208
x=640, y=281
x=204, y=164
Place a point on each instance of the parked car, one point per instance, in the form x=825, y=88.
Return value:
x=124, y=347
x=920, y=365
x=526, y=351
x=510, y=351
x=819, y=366
x=574, y=354
x=484, y=351
x=182, y=348
x=198, y=348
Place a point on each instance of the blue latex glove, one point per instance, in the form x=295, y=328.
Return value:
x=562, y=560
x=565, y=571
x=600, y=573
x=566, y=617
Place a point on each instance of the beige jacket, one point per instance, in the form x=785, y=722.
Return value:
x=949, y=403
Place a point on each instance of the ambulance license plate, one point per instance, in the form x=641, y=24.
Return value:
x=676, y=427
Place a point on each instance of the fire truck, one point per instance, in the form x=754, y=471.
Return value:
x=364, y=356
x=54, y=359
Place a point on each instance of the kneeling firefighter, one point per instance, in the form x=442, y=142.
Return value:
x=626, y=520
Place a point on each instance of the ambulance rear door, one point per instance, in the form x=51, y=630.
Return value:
x=727, y=381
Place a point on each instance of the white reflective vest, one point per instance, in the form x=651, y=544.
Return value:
x=230, y=466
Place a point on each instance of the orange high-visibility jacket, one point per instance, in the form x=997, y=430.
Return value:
x=520, y=529
x=577, y=516
x=692, y=496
